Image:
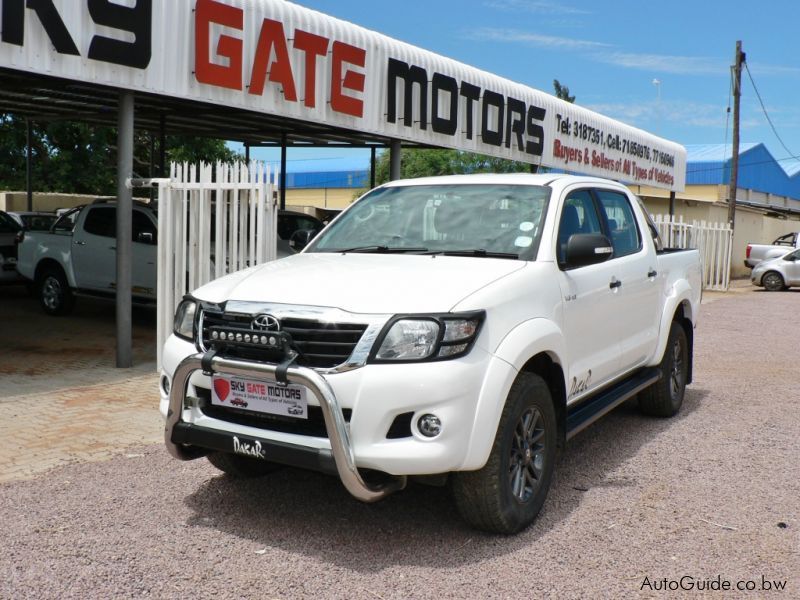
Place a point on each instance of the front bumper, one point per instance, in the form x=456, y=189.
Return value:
x=177, y=433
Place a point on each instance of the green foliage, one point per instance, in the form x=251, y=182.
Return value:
x=78, y=158
x=562, y=91
x=429, y=163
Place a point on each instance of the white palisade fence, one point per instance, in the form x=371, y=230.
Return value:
x=713, y=240
x=212, y=220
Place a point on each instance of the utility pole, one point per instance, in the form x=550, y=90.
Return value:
x=737, y=92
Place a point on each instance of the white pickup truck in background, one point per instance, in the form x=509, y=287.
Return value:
x=456, y=328
x=78, y=256
x=784, y=244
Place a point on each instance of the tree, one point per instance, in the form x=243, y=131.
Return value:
x=428, y=163
x=562, y=91
x=79, y=158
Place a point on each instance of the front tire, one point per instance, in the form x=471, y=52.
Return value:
x=773, y=281
x=240, y=467
x=665, y=397
x=55, y=295
x=508, y=492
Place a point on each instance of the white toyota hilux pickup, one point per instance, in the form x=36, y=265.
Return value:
x=458, y=328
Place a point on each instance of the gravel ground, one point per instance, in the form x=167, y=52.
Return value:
x=712, y=492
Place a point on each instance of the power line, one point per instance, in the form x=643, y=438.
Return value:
x=764, y=108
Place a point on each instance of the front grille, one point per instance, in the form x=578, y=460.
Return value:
x=314, y=425
x=321, y=345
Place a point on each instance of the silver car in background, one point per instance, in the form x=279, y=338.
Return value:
x=777, y=274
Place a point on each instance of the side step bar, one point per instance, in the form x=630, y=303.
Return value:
x=583, y=415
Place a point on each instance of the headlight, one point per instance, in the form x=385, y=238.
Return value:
x=427, y=337
x=183, y=325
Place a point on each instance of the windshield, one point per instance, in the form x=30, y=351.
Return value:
x=477, y=220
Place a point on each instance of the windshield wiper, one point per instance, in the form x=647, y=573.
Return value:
x=383, y=249
x=479, y=252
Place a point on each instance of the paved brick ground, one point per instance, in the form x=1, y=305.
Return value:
x=61, y=397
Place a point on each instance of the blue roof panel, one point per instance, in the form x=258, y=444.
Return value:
x=758, y=169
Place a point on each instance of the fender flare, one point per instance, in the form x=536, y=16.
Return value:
x=522, y=343
x=681, y=294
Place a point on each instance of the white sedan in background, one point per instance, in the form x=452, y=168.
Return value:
x=778, y=274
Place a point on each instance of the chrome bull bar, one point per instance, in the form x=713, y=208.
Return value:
x=336, y=426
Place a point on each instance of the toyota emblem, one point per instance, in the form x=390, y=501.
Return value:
x=266, y=323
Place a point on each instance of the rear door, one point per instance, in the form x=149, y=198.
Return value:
x=145, y=246
x=94, y=249
x=634, y=262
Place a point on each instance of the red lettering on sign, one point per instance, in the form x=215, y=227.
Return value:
x=206, y=13
x=272, y=60
x=280, y=70
x=313, y=46
x=351, y=80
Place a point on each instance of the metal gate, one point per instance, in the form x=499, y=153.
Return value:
x=212, y=220
x=713, y=240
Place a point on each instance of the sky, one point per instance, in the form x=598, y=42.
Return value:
x=664, y=67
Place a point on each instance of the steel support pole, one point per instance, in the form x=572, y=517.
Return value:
x=29, y=162
x=124, y=229
x=247, y=153
x=394, y=158
x=372, y=166
x=672, y=204
x=283, y=172
x=162, y=146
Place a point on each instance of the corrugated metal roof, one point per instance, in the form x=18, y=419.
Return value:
x=328, y=179
x=710, y=164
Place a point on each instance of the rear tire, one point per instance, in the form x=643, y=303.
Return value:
x=55, y=295
x=773, y=281
x=665, y=397
x=240, y=467
x=508, y=492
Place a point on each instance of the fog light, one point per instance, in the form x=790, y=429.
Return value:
x=165, y=384
x=429, y=425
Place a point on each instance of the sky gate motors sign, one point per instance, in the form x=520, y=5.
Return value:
x=280, y=58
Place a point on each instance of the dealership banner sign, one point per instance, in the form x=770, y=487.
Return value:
x=280, y=58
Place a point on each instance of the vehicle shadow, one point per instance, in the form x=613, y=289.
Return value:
x=311, y=514
x=41, y=353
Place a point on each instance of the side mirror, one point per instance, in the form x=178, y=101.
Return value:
x=585, y=249
x=145, y=237
x=301, y=238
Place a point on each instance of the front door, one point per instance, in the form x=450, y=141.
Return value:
x=591, y=310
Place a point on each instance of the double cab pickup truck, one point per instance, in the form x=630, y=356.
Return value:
x=456, y=330
x=78, y=255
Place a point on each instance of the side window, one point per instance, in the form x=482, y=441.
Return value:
x=66, y=222
x=142, y=224
x=621, y=221
x=578, y=215
x=101, y=220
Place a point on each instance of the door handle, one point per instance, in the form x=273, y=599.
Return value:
x=112, y=247
x=652, y=273
x=615, y=283
x=79, y=243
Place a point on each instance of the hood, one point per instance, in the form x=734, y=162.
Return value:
x=362, y=283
